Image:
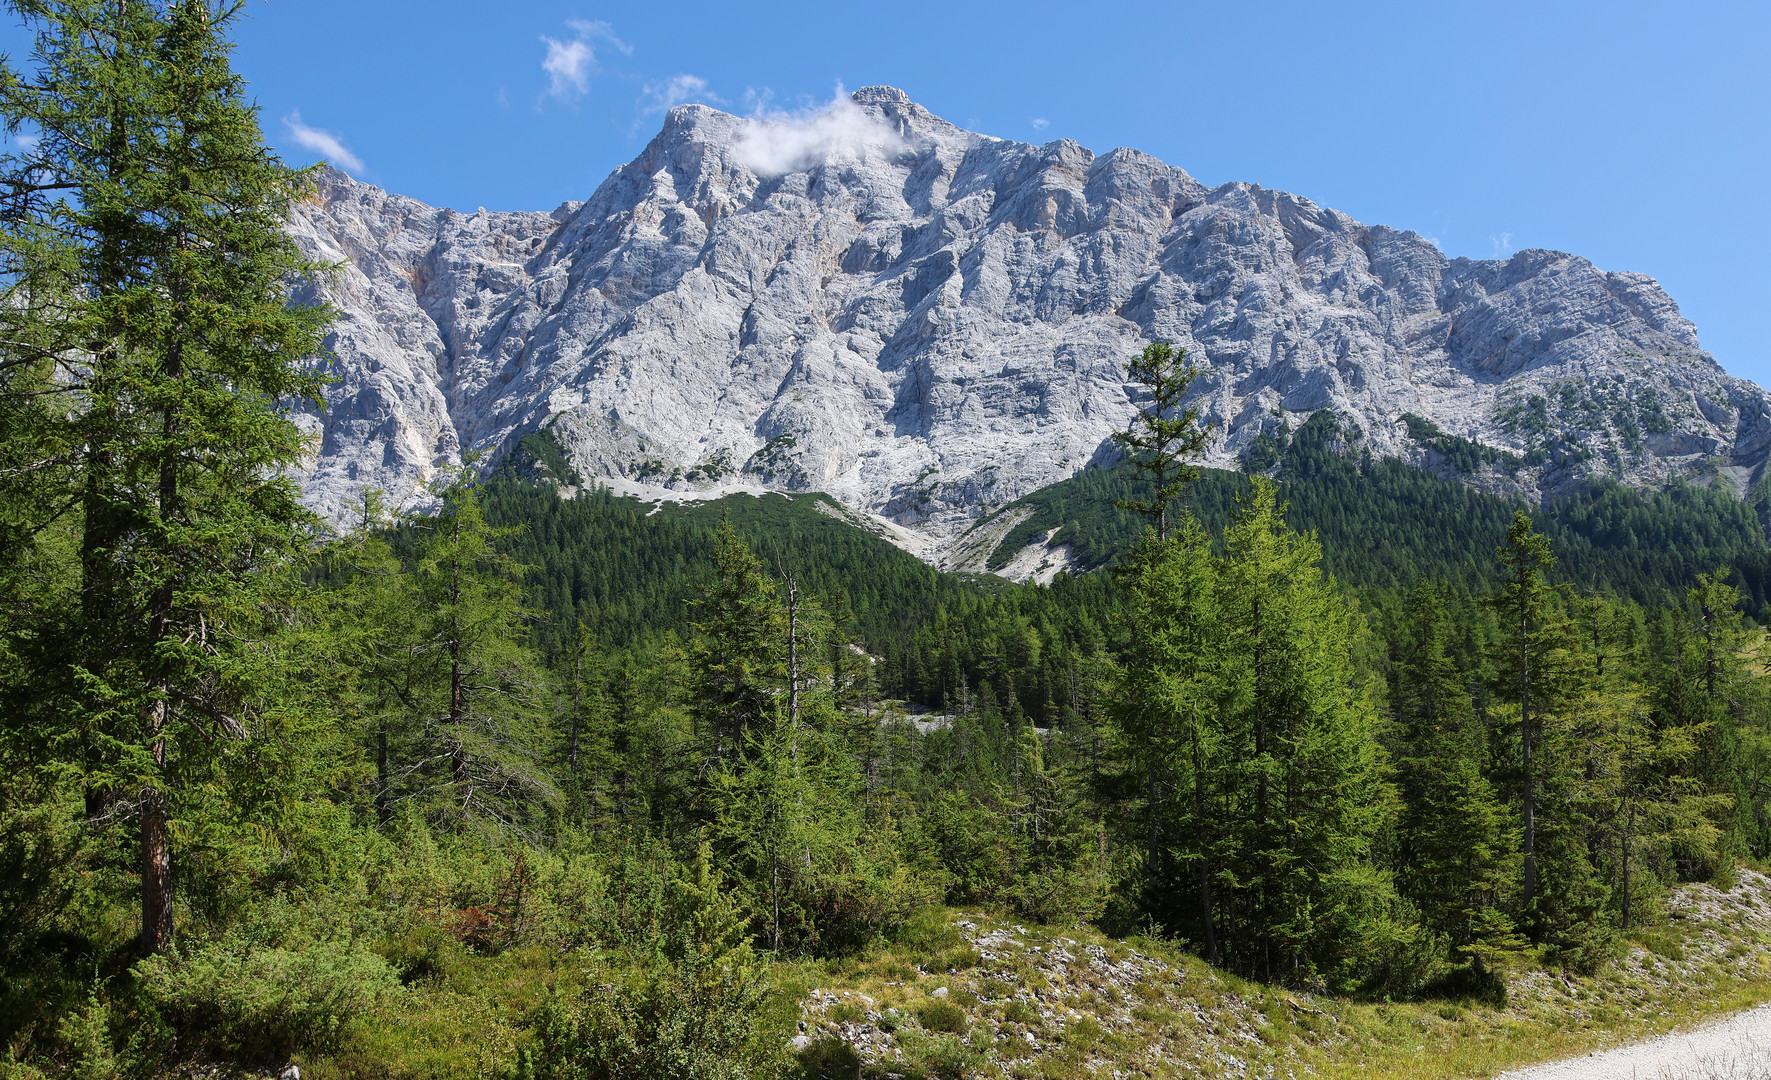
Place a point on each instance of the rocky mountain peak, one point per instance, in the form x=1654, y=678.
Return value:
x=926, y=323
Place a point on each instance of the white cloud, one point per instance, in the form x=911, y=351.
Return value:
x=568, y=64
x=674, y=91
x=776, y=142
x=1040, y=123
x=324, y=143
x=1503, y=245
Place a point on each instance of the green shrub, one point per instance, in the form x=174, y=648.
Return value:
x=830, y=1059
x=928, y=931
x=420, y=954
x=688, y=1008
x=262, y=1003
x=937, y=1014
x=950, y=1059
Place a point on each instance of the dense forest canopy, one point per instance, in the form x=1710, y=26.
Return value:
x=1334, y=724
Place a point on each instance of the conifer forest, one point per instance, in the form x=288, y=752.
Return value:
x=1330, y=725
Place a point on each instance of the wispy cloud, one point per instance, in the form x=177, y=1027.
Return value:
x=1503, y=245
x=777, y=141
x=327, y=144
x=657, y=97
x=1040, y=123
x=568, y=64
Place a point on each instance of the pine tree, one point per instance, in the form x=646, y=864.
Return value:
x=1169, y=710
x=1456, y=842
x=1163, y=436
x=460, y=696
x=1304, y=799
x=151, y=217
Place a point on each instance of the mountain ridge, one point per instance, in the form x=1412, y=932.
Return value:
x=929, y=323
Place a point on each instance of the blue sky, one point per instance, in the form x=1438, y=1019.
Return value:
x=1635, y=134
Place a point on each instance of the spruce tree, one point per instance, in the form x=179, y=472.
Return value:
x=737, y=663
x=1455, y=840
x=1304, y=797
x=1532, y=664
x=150, y=217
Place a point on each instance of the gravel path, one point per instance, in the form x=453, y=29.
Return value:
x=1738, y=1048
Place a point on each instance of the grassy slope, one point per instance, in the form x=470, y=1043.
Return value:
x=1063, y=1002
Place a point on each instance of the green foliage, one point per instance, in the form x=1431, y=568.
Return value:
x=1464, y=455
x=248, y=1001
x=148, y=277
x=690, y=1011
x=1163, y=436
x=607, y=748
x=1385, y=523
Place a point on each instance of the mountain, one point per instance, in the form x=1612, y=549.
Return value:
x=929, y=323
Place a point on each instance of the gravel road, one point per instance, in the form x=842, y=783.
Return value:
x=1738, y=1048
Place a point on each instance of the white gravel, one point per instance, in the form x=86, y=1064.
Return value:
x=1738, y=1048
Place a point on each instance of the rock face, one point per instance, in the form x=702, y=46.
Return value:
x=928, y=323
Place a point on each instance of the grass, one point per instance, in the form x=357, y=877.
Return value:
x=1061, y=1002
x=1064, y=1002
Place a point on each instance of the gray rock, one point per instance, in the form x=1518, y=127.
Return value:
x=928, y=323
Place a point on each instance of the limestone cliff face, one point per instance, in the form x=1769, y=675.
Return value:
x=927, y=323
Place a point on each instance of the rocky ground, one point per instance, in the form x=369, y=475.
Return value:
x=1006, y=999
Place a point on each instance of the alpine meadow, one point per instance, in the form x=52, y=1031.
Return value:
x=1237, y=738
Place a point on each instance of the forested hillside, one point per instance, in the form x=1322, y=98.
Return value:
x=1383, y=522
x=526, y=787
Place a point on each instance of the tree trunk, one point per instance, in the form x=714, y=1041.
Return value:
x=156, y=852
x=383, y=808
x=1530, y=807
x=577, y=707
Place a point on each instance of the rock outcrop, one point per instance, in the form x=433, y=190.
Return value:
x=928, y=323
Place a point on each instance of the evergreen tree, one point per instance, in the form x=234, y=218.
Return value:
x=1169, y=711
x=149, y=217
x=1163, y=436
x=1305, y=799
x=1532, y=665
x=1456, y=842
x=736, y=663
x=460, y=696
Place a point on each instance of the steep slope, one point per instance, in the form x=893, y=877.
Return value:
x=928, y=323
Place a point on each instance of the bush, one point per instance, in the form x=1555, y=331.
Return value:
x=688, y=1010
x=830, y=1059
x=940, y=1015
x=261, y=1003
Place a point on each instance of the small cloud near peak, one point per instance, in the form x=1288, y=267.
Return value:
x=777, y=141
x=327, y=144
x=657, y=97
x=1040, y=123
x=568, y=64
